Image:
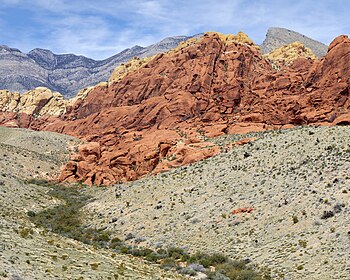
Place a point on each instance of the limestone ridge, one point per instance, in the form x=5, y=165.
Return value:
x=66, y=73
x=277, y=37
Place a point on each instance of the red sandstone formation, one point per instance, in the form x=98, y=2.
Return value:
x=156, y=117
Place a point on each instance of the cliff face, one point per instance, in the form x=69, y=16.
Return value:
x=157, y=113
x=67, y=73
x=277, y=37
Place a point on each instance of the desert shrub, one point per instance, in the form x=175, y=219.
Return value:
x=236, y=270
x=115, y=243
x=219, y=276
x=188, y=271
x=25, y=232
x=125, y=249
x=177, y=253
x=295, y=219
x=303, y=243
x=94, y=266
x=102, y=237
x=208, y=260
x=37, y=181
x=31, y=213
x=169, y=263
x=141, y=252
x=327, y=214
x=153, y=257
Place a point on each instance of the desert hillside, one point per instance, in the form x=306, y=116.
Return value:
x=29, y=158
x=282, y=201
x=279, y=202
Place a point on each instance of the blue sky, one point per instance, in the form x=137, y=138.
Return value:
x=99, y=29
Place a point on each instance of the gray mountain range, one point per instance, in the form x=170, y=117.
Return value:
x=69, y=73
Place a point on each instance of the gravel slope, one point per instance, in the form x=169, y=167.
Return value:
x=295, y=184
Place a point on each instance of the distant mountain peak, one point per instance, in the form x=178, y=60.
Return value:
x=277, y=37
x=39, y=50
x=66, y=73
x=137, y=47
x=9, y=49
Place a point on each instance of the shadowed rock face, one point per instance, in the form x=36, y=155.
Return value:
x=156, y=117
x=278, y=37
x=67, y=73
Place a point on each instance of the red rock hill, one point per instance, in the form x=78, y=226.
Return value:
x=157, y=116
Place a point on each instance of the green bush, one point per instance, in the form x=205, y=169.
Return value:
x=237, y=270
x=169, y=263
x=208, y=260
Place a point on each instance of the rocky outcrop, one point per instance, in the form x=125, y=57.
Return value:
x=17, y=110
x=158, y=116
x=152, y=131
x=240, y=38
x=286, y=55
x=277, y=37
x=134, y=64
x=67, y=73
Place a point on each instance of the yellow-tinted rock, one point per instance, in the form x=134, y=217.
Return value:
x=33, y=100
x=243, y=38
x=55, y=107
x=122, y=70
x=185, y=44
x=240, y=38
x=8, y=100
x=38, y=102
x=285, y=55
